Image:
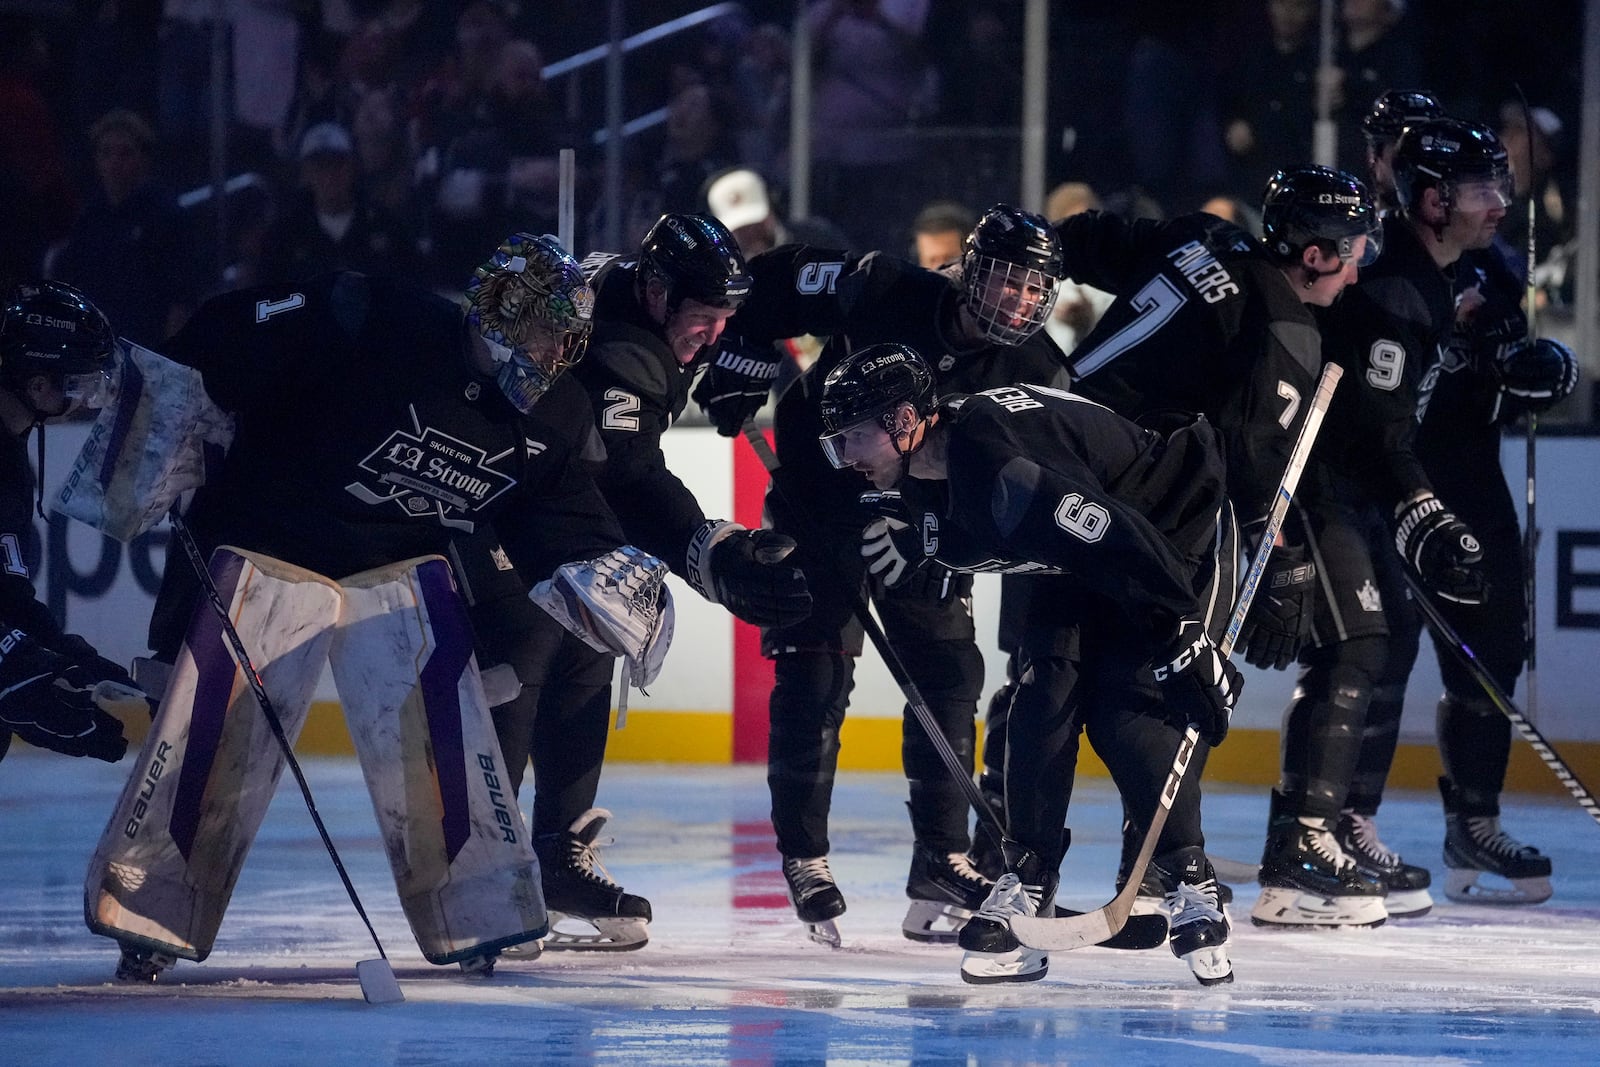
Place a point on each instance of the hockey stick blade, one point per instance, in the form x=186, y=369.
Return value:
x=378, y=983
x=1139, y=933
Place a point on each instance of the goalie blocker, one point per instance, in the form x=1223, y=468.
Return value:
x=168, y=860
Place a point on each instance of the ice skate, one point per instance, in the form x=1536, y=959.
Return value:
x=480, y=966
x=1199, y=927
x=588, y=911
x=1405, y=885
x=945, y=889
x=816, y=897
x=985, y=851
x=1307, y=880
x=142, y=965
x=1475, y=845
x=992, y=953
x=1152, y=895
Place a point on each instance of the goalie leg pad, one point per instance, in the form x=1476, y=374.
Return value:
x=460, y=853
x=166, y=865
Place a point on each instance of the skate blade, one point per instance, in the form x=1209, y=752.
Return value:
x=1210, y=965
x=595, y=935
x=934, y=922
x=1408, y=903
x=143, y=969
x=479, y=966
x=992, y=968
x=527, y=950
x=1291, y=907
x=825, y=932
x=378, y=984
x=1464, y=886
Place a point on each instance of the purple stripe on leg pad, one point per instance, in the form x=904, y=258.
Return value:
x=441, y=675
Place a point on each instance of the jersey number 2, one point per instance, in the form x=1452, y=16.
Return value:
x=621, y=413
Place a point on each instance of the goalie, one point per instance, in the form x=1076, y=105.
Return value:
x=374, y=422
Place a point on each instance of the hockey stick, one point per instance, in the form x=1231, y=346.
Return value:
x=1499, y=697
x=378, y=983
x=1094, y=927
x=1530, y=536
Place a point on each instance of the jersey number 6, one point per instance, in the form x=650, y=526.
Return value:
x=1083, y=519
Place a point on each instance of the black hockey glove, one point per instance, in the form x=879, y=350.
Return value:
x=743, y=570
x=735, y=386
x=892, y=542
x=1535, y=376
x=48, y=701
x=1279, y=621
x=1201, y=686
x=1441, y=548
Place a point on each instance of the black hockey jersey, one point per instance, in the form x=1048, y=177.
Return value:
x=1388, y=331
x=1203, y=322
x=637, y=390
x=19, y=603
x=364, y=436
x=1040, y=480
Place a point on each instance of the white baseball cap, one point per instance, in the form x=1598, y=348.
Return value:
x=739, y=198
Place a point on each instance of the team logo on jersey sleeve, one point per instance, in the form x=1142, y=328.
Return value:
x=429, y=473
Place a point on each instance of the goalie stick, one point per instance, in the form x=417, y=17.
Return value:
x=1095, y=927
x=1500, y=698
x=378, y=983
x=1144, y=931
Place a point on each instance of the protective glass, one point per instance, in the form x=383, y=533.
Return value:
x=1365, y=254
x=91, y=390
x=1011, y=302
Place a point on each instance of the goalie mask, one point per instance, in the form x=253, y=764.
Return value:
x=1313, y=205
x=531, y=305
x=1465, y=161
x=1010, y=267
x=53, y=330
x=861, y=398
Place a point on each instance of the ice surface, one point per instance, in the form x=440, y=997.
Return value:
x=729, y=977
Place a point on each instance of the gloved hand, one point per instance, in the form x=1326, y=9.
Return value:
x=891, y=543
x=48, y=701
x=1201, y=686
x=1536, y=375
x=743, y=570
x=1441, y=548
x=1279, y=620
x=736, y=383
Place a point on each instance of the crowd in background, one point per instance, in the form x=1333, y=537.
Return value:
x=408, y=135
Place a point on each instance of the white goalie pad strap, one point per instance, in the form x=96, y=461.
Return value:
x=148, y=446
x=698, y=558
x=166, y=865
x=418, y=714
x=617, y=603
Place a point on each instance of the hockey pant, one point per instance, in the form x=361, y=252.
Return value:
x=401, y=651
x=1358, y=579
x=1474, y=737
x=562, y=716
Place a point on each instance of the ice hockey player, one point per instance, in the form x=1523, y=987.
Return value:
x=1370, y=509
x=978, y=326
x=55, y=360
x=1209, y=319
x=1381, y=127
x=377, y=422
x=658, y=315
x=1492, y=374
x=1133, y=537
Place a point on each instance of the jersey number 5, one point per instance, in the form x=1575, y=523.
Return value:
x=265, y=309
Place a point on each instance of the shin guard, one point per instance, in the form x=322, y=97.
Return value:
x=166, y=865
x=462, y=861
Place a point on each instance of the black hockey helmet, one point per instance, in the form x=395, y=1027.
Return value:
x=696, y=258
x=1393, y=111
x=1464, y=160
x=52, y=329
x=1311, y=205
x=1016, y=251
x=869, y=385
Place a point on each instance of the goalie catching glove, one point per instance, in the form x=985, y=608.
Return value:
x=617, y=603
x=743, y=570
x=736, y=384
x=1200, y=685
x=49, y=701
x=1279, y=621
x=1441, y=548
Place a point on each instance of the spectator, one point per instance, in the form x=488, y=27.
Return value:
x=1377, y=54
x=130, y=249
x=1078, y=307
x=332, y=226
x=36, y=197
x=1270, y=102
x=938, y=232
